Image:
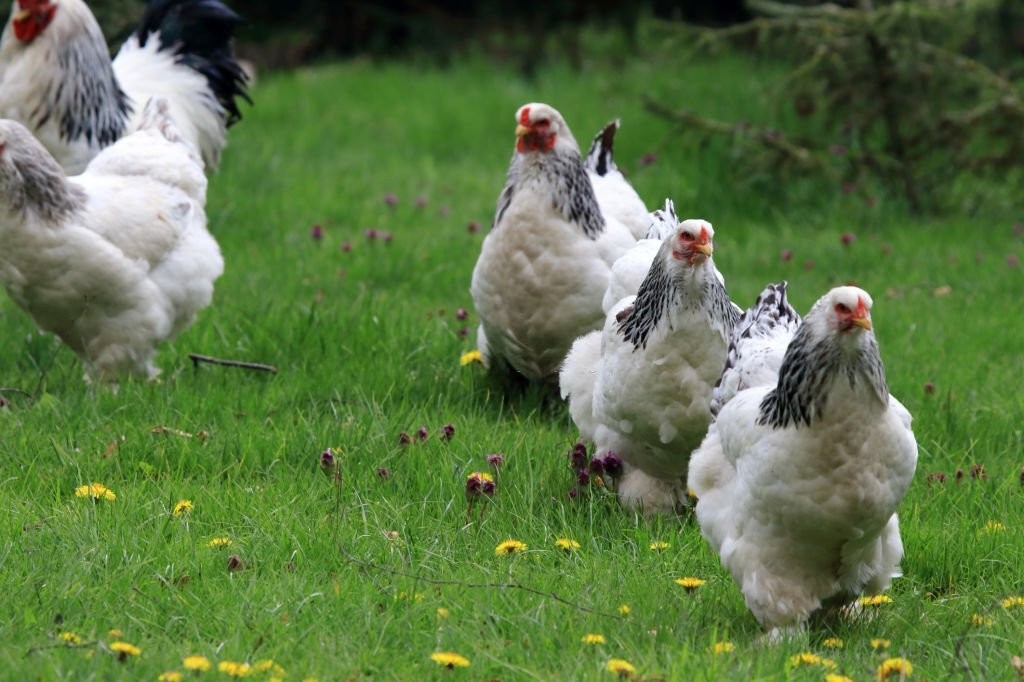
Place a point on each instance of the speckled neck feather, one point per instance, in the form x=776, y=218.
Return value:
x=812, y=363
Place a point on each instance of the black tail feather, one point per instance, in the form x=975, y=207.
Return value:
x=599, y=157
x=199, y=33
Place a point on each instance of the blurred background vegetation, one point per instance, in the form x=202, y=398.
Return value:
x=918, y=100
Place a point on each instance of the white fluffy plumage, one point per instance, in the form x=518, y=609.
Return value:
x=629, y=271
x=113, y=261
x=798, y=481
x=57, y=78
x=615, y=195
x=641, y=387
x=544, y=266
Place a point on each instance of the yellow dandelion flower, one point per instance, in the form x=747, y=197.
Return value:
x=1010, y=602
x=993, y=527
x=442, y=612
x=836, y=677
x=567, y=544
x=449, y=659
x=114, y=633
x=875, y=600
x=169, y=676
x=690, y=584
x=70, y=637
x=96, y=491
x=620, y=667
x=196, y=663
x=980, y=621
x=310, y=679
x=591, y=638
x=483, y=476
x=263, y=665
x=832, y=643
x=470, y=357
x=234, y=668
x=510, y=547
x=807, y=658
x=182, y=507
x=659, y=545
x=124, y=649
x=898, y=667
x=880, y=644
x=219, y=542
x=719, y=648
x=624, y=609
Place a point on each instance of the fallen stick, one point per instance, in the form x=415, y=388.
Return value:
x=259, y=367
x=15, y=390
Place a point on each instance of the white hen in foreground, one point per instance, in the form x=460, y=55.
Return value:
x=57, y=78
x=798, y=481
x=641, y=387
x=113, y=261
x=544, y=266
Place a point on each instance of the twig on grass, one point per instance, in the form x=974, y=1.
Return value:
x=15, y=390
x=257, y=366
x=490, y=586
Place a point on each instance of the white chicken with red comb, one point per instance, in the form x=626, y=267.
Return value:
x=641, y=387
x=798, y=481
x=58, y=80
x=544, y=266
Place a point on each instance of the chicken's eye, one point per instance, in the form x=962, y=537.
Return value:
x=686, y=237
x=842, y=308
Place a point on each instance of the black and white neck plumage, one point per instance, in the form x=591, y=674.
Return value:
x=834, y=343
x=757, y=345
x=682, y=277
x=80, y=93
x=57, y=78
x=546, y=151
x=31, y=182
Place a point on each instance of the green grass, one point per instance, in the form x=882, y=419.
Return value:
x=346, y=583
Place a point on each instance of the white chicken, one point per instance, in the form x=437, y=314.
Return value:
x=642, y=387
x=630, y=270
x=757, y=345
x=798, y=481
x=57, y=78
x=615, y=195
x=544, y=266
x=113, y=261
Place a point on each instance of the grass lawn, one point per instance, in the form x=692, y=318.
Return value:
x=366, y=580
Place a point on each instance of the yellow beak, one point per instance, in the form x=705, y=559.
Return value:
x=706, y=249
x=521, y=130
x=862, y=322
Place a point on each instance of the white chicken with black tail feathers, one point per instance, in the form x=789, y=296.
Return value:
x=615, y=195
x=57, y=78
x=630, y=270
x=757, y=345
x=544, y=266
x=113, y=261
x=641, y=387
x=798, y=481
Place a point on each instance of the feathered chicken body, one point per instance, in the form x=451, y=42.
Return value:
x=544, y=266
x=630, y=270
x=757, y=345
x=57, y=79
x=798, y=481
x=642, y=386
x=113, y=261
x=615, y=195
